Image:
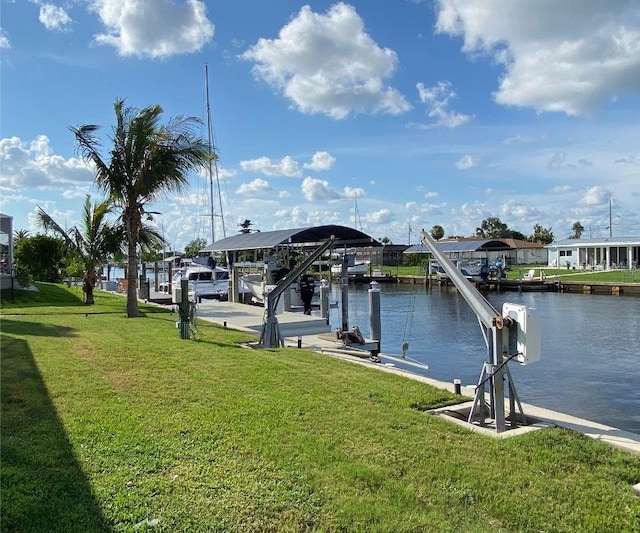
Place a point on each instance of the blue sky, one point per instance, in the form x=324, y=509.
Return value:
x=407, y=113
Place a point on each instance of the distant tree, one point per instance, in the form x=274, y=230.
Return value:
x=493, y=228
x=195, y=246
x=146, y=161
x=39, y=258
x=92, y=242
x=542, y=235
x=514, y=234
x=385, y=240
x=245, y=226
x=20, y=234
x=437, y=232
x=577, y=230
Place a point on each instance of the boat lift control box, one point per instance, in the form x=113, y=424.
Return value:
x=176, y=294
x=525, y=337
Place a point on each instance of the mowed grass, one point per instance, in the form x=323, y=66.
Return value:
x=116, y=424
x=516, y=272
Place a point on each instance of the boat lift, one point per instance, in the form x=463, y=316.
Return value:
x=270, y=337
x=513, y=334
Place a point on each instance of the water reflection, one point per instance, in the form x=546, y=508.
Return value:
x=590, y=364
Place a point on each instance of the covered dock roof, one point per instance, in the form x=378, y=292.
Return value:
x=463, y=245
x=310, y=237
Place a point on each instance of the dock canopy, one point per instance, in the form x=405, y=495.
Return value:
x=463, y=245
x=301, y=237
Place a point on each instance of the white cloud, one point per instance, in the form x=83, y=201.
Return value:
x=153, y=28
x=36, y=166
x=321, y=161
x=595, y=196
x=569, y=56
x=4, y=39
x=511, y=210
x=257, y=186
x=328, y=64
x=54, y=17
x=287, y=166
x=466, y=162
x=519, y=140
x=429, y=210
x=431, y=194
x=318, y=190
x=299, y=217
x=562, y=189
x=382, y=216
x=437, y=99
x=353, y=192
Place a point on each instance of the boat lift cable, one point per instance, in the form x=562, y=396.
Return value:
x=408, y=323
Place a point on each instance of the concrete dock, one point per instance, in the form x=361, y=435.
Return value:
x=314, y=333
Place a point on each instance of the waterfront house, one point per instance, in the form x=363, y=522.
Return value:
x=511, y=251
x=595, y=254
x=6, y=250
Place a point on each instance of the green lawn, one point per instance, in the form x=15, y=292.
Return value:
x=518, y=271
x=115, y=424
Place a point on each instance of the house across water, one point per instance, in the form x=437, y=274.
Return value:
x=595, y=254
x=510, y=251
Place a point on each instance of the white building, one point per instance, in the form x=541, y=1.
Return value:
x=6, y=250
x=595, y=254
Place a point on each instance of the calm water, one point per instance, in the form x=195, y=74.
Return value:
x=590, y=365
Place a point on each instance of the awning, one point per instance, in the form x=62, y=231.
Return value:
x=300, y=237
x=459, y=246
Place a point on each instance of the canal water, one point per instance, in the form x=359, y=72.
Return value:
x=590, y=364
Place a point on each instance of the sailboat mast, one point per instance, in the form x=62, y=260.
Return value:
x=211, y=153
x=213, y=163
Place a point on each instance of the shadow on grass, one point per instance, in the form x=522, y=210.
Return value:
x=43, y=486
x=49, y=294
x=20, y=327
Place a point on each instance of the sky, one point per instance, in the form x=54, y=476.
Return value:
x=387, y=116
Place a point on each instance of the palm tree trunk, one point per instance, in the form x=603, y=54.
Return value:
x=132, y=282
x=87, y=285
x=133, y=225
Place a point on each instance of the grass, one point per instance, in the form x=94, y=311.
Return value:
x=115, y=424
x=518, y=271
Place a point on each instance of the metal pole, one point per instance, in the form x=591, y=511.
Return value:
x=184, y=309
x=375, y=329
x=344, y=282
x=324, y=301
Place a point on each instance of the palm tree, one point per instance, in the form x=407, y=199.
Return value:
x=93, y=242
x=147, y=161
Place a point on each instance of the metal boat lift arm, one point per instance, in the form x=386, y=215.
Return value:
x=270, y=337
x=494, y=371
x=486, y=313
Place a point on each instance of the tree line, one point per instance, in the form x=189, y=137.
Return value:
x=494, y=228
x=147, y=160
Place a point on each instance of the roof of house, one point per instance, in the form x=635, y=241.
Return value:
x=466, y=245
x=301, y=237
x=574, y=243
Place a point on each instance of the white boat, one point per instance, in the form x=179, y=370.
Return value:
x=204, y=281
x=469, y=269
x=255, y=284
x=359, y=268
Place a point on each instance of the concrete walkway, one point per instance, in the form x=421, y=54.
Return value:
x=314, y=334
